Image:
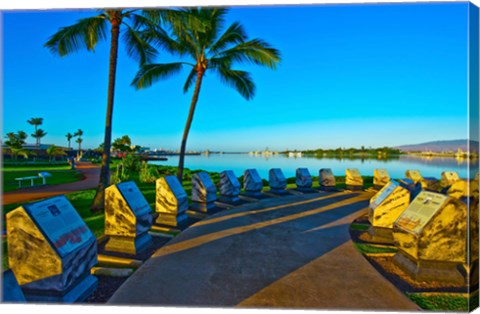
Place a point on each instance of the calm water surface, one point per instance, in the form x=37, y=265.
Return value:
x=431, y=167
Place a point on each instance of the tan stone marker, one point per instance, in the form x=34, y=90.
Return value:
x=171, y=201
x=431, y=237
x=326, y=179
x=427, y=183
x=448, y=178
x=353, y=180
x=380, y=178
x=384, y=209
x=128, y=218
x=51, y=251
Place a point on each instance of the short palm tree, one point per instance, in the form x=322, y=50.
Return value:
x=69, y=137
x=54, y=151
x=38, y=134
x=208, y=49
x=86, y=33
x=36, y=122
x=15, y=142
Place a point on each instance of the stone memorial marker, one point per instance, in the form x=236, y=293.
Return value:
x=413, y=175
x=448, y=178
x=385, y=207
x=277, y=181
x=171, y=201
x=128, y=218
x=380, y=178
x=229, y=187
x=204, y=192
x=458, y=189
x=51, y=251
x=427, y=183
x=252, y=183
x=326, y=179
x=431, y=237
x=353, y=179
x=303, y=179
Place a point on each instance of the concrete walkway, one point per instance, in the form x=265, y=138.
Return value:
x=88, y=170
x=289, y=252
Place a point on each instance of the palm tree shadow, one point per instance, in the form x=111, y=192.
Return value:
x=225, y=267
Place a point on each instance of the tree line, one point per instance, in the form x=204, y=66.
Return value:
x=379, y=152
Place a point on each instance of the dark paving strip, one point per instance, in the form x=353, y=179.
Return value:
x=273, y=208
x=224, y=268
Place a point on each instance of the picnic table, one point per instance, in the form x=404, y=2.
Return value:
x=41, y=175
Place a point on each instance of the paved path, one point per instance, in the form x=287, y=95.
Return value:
x=289, y=252
x=89, y=171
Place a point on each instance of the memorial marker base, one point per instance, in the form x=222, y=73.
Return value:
x=278, y=191
x=380, y=235
x=78, y=293
x=327, y=188
x=128, y=245
x=429, y=270
x=229, y=199
x=170, y=220
x=252, y=193
x=354, y=187
x=202, y=207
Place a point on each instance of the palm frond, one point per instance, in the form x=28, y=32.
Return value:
x=255, y=51
x=178, y=19
x=235, y=34
x=240, y=80
x=191, y=79
x=151, y=73
x=84, y=34
x=160, y=38
x=137, y=47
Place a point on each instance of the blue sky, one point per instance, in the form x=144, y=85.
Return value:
x=351, y=75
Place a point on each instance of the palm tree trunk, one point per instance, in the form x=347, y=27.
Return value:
x=99, y=199
x=183, y=146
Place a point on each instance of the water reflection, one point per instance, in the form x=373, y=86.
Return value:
x=396, y=166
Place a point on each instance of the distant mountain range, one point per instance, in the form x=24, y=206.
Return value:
x=439, y=146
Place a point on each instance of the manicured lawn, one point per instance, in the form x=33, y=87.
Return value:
x=442, y=302
x=38, y=166
x=372, y=249
x=58, y=177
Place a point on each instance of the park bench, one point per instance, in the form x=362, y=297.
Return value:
x=41, y=175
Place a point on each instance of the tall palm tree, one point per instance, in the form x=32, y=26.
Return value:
x=208, y=49
x=86, y=33
x=79, y=141
x=38, y=134
x=36, y=122
x=79, y=133
x=69, y=137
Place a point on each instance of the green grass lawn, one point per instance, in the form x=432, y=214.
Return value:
x=58, y=177
x=374, y=249
x=443, y=302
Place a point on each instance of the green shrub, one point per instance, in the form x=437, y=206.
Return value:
x=148, y=174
